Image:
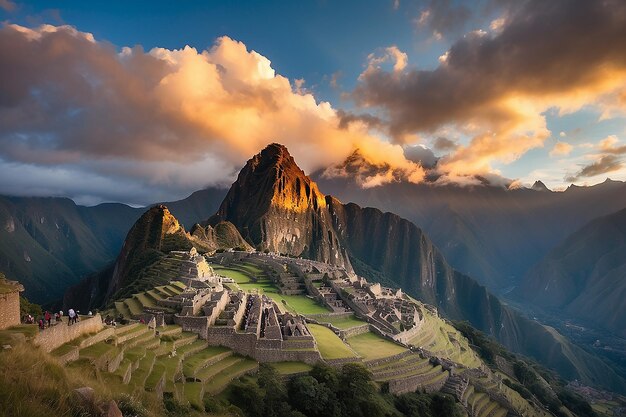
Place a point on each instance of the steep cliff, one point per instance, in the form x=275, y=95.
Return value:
x=276, y=207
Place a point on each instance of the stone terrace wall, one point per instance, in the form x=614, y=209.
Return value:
x=9, y=309
x=196, y=324
x=55, y=336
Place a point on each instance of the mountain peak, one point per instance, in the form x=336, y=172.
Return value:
x=539, y=186
x=277, y=207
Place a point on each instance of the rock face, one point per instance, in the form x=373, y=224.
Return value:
x=276, y=207
x=584, y=275
x=157, y=231
x=222, y=235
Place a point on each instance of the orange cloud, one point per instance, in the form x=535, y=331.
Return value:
x=494, y=88
x=164, y=109
x=561, y=149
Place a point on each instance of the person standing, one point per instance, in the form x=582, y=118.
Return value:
x=48, y=317
x=72, y=316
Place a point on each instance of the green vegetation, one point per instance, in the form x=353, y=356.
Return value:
x=327, y=392
x=329, y=344
x=371, y=346
x=250, y=278
x=343, y=322
x=288, y=368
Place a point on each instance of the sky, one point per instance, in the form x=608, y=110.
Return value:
x=139, y=102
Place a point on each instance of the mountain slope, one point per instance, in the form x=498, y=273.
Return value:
x=154, y=234
x=50, y=243
x=277, y=207
x=270, y=204
x=498, y=234
x=585, y=275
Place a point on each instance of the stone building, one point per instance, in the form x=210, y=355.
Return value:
x=9, y=302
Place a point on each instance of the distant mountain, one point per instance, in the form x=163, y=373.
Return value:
x=51, y=243
x=585, y=275
x=277, y=207
x=490, y=233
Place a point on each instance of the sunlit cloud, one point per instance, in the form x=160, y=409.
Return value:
x=494, y=88
x=82, y=104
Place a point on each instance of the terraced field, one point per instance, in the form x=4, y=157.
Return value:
x=329, y=344
x=371, y=346
x=443, y=340
x=133, y=306
x=175, y=361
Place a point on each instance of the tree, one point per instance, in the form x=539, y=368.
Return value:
x=310, y=397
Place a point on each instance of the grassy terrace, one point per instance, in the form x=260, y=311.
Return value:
x=371, y=346
x=343, y=322
x=329, y=344
x=288, y=368
x=244, y=279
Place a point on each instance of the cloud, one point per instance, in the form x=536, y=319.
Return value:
x=444, y=16
x=609, y=159
x=155, y=117
x=561, y=149
x=444, y=144
x=606, y=163
x=8, y=5
x=494, y=88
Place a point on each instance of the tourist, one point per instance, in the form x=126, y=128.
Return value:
x=48, y=317
x=42, y=323
x=72, y=317
x=57, y=318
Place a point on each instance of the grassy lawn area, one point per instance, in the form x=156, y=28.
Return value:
x=238, y=276
x=288, y=368
x=343, y=322
x=372, y=346
x=298, y=303
x=329, y=344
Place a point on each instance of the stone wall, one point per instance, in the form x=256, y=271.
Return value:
x=55, y=336
x=412, y=383
x=196, y=324
x=9, y=309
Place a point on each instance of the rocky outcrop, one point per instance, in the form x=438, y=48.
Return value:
x=156, y=233
x=276, y=207
x=222, y=235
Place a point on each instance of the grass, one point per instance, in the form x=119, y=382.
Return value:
x=33, y=383
x=288, y=368
x=239, y=276
x=11, y=335
x=343, y=322
x=329, y=344
x=371, y=346
x=294, y=303
x=298, y=303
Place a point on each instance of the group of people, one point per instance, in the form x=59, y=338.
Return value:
x=45, y=320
